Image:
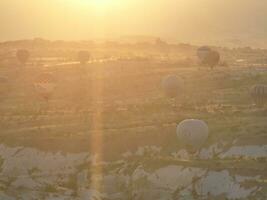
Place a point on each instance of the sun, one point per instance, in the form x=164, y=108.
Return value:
x=97, y=8
x=102, y=3
x=99, y=4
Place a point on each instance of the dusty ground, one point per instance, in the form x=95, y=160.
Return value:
x=117, y=108
x=128, y=104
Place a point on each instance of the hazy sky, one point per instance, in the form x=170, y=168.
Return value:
x=181, y=20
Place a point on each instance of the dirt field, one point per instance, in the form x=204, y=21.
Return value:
x=114, y=107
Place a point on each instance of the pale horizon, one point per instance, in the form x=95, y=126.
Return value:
x=236, y=22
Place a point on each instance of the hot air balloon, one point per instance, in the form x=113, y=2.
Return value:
x=202, y=53
x=44, y=85
x=23, y=56
x=259, y=94
x=172, y=86
x=83, y=56
x=193, y=133
x=212, y=59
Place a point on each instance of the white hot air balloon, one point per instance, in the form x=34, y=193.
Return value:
x=172, y=86
x=193, y=133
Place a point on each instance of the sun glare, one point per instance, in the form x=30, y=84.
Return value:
x=98, y=7
x=101, y=3
x=97, y=4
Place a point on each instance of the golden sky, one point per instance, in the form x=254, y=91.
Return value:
x=180, y=20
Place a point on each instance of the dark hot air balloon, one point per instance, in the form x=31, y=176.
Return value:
x=23, y=56
x=202, y=52
x=259, y=94
x=212, y=59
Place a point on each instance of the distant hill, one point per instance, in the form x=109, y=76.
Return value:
x=138, y=39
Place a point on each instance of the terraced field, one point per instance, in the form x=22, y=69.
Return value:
x=108, y=132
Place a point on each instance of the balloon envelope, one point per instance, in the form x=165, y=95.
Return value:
x=202, y=52
x=259, y=94
x=171, y=85
x=192, y=132
x=45, y=85
x=212, y=59
x=23, y=55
